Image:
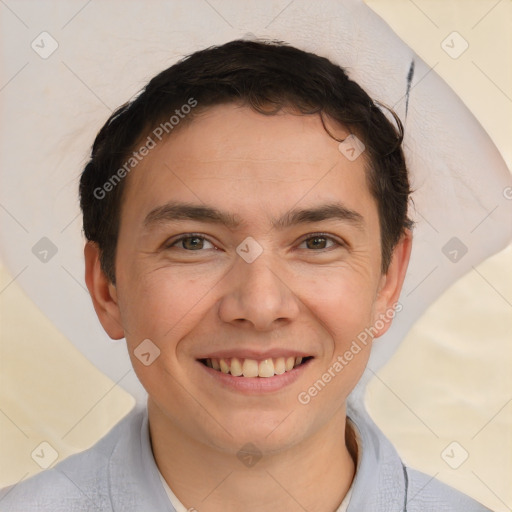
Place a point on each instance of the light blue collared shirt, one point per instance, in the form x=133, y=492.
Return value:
x=119, y=474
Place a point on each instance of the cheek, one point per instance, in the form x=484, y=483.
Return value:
x=343, y=306
x=161, y=303
x=162, y=306
x=340, y=298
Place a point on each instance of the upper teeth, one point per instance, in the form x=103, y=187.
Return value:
x=252, y=368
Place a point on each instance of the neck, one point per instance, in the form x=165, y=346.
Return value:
x=313, y=475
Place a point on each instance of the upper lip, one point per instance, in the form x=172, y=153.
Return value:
x=255, y=354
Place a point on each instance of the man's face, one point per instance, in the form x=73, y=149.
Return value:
x=260, y=281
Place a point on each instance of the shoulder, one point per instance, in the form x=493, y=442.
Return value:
x=425, y=493
x=383, y=483
x=78, y=483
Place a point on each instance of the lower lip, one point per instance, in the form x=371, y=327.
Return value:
x=256, y=385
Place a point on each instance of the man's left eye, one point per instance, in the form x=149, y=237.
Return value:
x=319, y=242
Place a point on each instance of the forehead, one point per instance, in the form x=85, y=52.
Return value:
x=237, y=157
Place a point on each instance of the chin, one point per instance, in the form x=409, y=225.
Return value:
x=268, y=431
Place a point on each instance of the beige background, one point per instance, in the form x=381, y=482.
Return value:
x=450, y=380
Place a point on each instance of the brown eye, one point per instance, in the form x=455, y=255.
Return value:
x=192, y=243
x=318, y=242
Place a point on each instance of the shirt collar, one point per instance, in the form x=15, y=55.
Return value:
x=379, y=482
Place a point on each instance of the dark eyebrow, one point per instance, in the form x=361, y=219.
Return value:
x=316, y=214
x=175, y=211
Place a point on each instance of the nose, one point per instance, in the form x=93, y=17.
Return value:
x=259, y=295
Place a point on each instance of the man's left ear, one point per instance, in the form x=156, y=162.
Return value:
x=391, y=282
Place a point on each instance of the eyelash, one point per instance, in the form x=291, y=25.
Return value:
x=337, y=242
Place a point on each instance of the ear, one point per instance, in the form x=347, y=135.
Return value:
x=103, y=293
x=390, y=285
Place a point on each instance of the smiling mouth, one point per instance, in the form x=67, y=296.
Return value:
x=253, y=368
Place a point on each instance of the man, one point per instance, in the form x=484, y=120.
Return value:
x=246, y=218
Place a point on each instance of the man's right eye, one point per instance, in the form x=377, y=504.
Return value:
x=190, y=242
